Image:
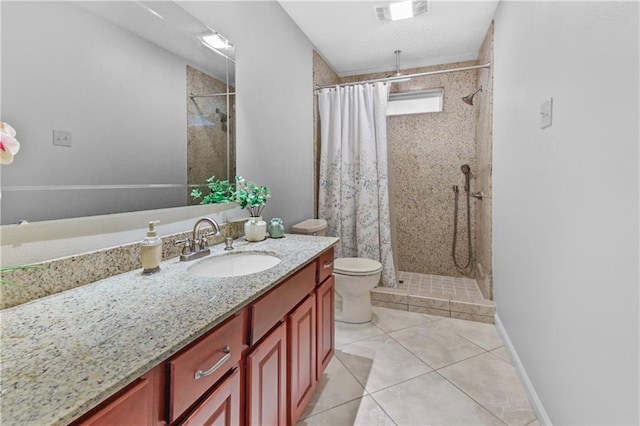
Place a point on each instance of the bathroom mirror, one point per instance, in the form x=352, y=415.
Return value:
x=118, y=107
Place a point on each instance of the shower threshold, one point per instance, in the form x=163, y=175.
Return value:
x=439, y=295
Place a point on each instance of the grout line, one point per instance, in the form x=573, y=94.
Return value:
x=470, y=397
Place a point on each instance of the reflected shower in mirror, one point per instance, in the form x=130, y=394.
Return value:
x=116, y=77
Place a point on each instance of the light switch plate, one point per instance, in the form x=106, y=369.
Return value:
x=546, y=113
x=61, y=137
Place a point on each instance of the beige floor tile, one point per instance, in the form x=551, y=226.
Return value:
x=431, y=400
x=379, y=362
x=390, y=319
x=435, y=345
x=349, y=333
x=534, y=423
x=483, y=335
x=494, y=384
x=502, y=353
x=364, y=411
x=335, y=387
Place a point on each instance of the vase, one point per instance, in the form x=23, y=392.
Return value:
x=255, y=229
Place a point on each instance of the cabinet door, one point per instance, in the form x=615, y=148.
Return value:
x=267, y=380
x=325, y=298
x=221, y=408
x=301, y=326
x=133, y=406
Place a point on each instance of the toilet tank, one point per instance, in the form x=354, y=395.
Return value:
x=311, y=227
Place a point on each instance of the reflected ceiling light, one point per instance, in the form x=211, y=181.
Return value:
x=216, y=41
x=401, y=10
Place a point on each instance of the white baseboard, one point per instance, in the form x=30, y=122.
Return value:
x=536, y=404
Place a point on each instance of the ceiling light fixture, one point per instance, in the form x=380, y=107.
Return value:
x=401, y=10
x=216, y=41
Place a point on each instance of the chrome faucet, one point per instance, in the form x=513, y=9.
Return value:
x=197, y=246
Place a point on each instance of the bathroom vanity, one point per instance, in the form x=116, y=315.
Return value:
x=174, y=348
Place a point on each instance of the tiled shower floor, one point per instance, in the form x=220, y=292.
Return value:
x=439, y=286
x=436, y=295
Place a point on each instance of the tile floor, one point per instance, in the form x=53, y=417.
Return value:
x=407, y=368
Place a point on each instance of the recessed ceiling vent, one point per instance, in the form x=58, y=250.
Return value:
x=396, y=11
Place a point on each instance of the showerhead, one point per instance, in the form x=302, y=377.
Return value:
x=469, y=98
x=465, y=169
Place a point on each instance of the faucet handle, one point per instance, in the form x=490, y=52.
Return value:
x=186, y=249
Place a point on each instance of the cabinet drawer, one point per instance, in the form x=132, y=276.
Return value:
x=199, y=367
x=325, y=266
x=222, y=406
x=272, y=307
x=133, y=406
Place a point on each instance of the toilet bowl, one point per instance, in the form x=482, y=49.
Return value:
x=355, y=277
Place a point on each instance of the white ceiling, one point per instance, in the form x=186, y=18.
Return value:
x=350, y=37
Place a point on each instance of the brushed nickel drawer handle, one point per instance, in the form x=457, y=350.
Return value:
x=327, y=265
x=217, y=365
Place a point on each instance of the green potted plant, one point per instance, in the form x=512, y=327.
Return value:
x=253, y=198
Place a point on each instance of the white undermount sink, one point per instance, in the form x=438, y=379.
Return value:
x=233, y=265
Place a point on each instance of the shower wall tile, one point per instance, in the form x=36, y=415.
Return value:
x=425, y=154
x=484, y=144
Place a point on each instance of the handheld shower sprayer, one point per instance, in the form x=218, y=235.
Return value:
x=466, y=170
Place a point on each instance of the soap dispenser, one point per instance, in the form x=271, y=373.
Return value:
x=151, y=250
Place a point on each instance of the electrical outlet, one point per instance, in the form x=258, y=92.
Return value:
x=546, y=113
x=61, y=138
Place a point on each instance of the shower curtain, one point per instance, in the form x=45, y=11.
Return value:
x=353, y=194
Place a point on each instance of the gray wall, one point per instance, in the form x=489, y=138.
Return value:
x=566, y=203
x=274, y=83
x=65, y=69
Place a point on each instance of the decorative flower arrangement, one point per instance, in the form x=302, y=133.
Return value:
x=9, y=145
x=248, y=195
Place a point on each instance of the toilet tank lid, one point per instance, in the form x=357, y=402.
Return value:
x=356, y=265
x=309, y=226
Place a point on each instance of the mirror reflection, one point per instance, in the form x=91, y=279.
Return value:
x=148, y=108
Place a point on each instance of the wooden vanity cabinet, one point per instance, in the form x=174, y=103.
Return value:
x=259, y=367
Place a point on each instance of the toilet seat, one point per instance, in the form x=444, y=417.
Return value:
x=356, y=266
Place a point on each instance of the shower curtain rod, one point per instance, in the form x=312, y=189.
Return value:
x=402, y=77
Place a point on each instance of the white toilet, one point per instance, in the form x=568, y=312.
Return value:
x=355, y=277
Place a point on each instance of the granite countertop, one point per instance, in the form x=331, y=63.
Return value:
x=63, y=354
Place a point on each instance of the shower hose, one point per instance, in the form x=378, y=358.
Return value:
x=455, y=229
